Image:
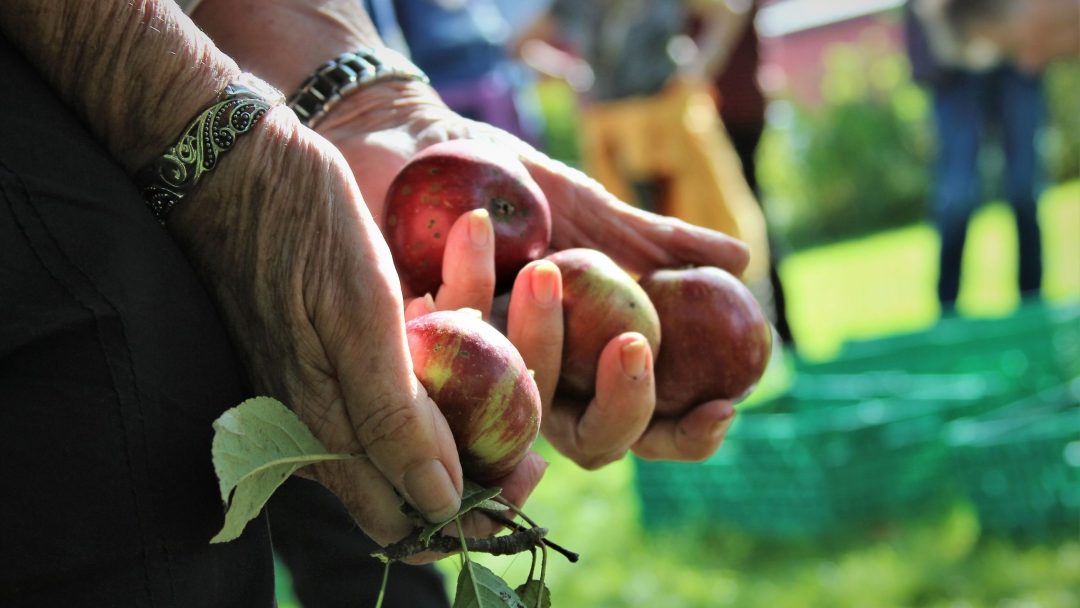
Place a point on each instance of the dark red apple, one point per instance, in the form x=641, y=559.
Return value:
x=600, y=301
x=450, y=178
x=480, y=383
x=717, y=340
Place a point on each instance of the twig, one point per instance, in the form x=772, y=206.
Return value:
x=508, y=544
x=570, y=556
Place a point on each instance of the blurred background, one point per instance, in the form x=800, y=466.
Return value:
x=907, y=447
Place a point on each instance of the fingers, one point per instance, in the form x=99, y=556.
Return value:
x=584, y=214
x=418, y=307
x=410, y=442
x=469, y=264
x=620, y=412
x=535, y=324
x=693, y=437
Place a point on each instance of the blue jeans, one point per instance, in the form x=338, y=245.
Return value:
x=968, y=107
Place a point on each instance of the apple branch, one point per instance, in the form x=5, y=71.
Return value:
x=508, y=544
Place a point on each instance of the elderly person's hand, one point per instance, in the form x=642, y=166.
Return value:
x=284, y=243
x=307, y=286
x=380, y=127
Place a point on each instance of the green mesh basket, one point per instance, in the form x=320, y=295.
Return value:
x=1020, y=464
x=797, y=470
x=957, y=395
x=1033, y=349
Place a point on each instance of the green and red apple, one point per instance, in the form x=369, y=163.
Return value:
x=482, y=386
x=600, y=302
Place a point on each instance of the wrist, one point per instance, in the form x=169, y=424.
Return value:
x=347, y=74
x=204, y=142
x=135, y=70
x=384, y=105
x=228, y=199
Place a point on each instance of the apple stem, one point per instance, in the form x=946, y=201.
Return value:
x=570, y=556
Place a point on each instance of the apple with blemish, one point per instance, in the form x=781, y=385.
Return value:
x=717, y=340
x=600, y=301
x=482, y=386
x=448, y=179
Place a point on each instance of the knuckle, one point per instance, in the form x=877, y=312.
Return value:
x=389, y=422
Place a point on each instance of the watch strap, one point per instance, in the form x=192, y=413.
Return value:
x=346, y=73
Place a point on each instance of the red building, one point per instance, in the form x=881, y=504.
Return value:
x=795, y=35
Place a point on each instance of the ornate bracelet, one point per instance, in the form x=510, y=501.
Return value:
x=348, y=72
x=202, y=143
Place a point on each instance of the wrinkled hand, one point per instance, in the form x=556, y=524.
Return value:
x=384, y=125
x=282, y=238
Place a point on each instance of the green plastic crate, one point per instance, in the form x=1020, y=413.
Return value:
x=1033, y=349
x=805, y=472
x=958, y=395
x=1020, y=464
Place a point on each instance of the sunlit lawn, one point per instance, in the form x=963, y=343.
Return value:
x=886, y=282
x=940, y=558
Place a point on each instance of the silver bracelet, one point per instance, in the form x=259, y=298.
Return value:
x=169, y=178
x=345, y=74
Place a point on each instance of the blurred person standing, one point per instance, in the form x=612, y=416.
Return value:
x=976, y=93
x=733, y=47
x=650, y=132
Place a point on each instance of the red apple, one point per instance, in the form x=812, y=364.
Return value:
x=450, y=178
x=717, y=340
x=600, y=301
x=481, y=384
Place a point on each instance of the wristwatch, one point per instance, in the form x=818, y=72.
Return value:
x=346, y=73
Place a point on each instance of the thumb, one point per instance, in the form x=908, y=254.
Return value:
x=407, y=438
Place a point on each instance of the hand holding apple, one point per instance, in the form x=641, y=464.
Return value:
x=447, y=179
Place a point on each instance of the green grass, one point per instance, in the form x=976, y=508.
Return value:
x=886, y=283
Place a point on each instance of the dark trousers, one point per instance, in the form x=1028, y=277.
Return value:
x=330, y=558
x=745, y=139
x=113, y=365
x=968, y=108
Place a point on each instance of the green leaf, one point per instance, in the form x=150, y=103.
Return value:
x=478, y=587
x=492, y=505
x=256, y=446
x=472, y=496
x=534, y=594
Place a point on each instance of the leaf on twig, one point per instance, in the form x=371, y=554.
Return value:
x=491, y=505
x=256, y=446
x=478, y=587
x=534, y=594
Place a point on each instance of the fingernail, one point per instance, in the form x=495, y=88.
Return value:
x=721, y=426
x=479, y=227
x=544, y=281
x=432, y=492
x=634, y=357
x=429, y=302
x=472, y=312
